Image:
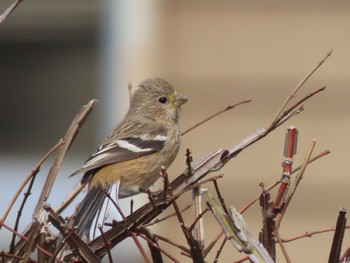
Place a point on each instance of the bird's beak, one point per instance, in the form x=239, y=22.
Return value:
x=180, y=99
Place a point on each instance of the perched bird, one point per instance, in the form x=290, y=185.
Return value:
x=131, y=156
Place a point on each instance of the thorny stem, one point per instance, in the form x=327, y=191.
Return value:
x=216, y=114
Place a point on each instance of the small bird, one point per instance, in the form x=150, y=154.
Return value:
x=131, y=156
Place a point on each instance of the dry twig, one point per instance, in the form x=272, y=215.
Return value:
x=9, y=10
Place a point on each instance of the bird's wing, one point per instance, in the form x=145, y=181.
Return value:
x=123, y=150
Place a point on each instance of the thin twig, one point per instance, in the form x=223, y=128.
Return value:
x=106, y=244
x=218, y=252
x=196, y=251
x=310, y=234
x=256, y=198
x=46, y=190
x=273, y=185
x=173, y=243
x=284, y=251
x=301, y=83
x=156, y=254
x=160, y=249
x=197, y=219
x=69, y=198
x=19, y=213
x=221, y=199
x=156, y=221
x=242, y=259
x=26, y=239
x=200, y=183
x=198, y=229
x=285, y=115
x=325, y=152
x=337, y=242
x=108, y=195
x=216, y=114
x=290, y=148
x=59, y=247
x=35, y=170
x=139, y=246
x=212, y=244
x=9, y=10
x=74, y=241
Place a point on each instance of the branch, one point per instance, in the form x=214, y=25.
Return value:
x=301, y=83
x=230, y=107
x=33, y=229
x=9, y=10
x=284, y=251
x=294, y=187
x=35, y=170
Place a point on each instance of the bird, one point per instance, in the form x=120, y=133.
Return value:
x=131, y=156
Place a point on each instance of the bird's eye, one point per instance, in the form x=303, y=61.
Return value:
x=162, y=100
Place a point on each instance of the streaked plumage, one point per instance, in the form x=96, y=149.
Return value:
x=133, y=153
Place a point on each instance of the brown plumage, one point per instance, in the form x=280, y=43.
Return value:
x=133, y=153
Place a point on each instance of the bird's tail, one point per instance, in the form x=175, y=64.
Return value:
x=90, y=213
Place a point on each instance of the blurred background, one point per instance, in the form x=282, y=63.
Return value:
x=55, y=56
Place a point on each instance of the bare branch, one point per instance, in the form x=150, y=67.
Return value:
x=294, y=187
x=301, y=83
x=9, y=10
x=230, y=107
